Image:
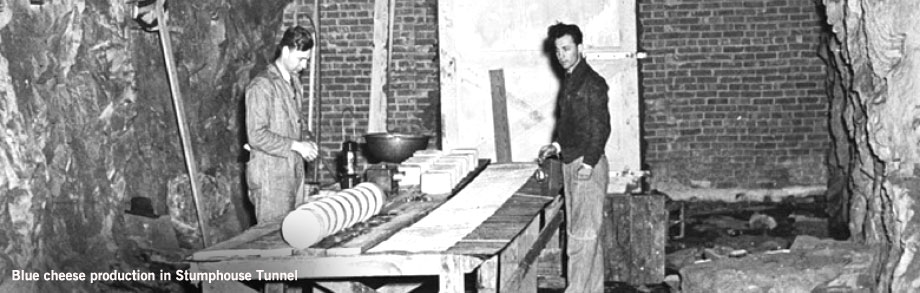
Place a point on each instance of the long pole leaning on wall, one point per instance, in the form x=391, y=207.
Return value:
x=315, y=79
x=143, y=15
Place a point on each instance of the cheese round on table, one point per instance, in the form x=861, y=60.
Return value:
x=314, y=220
x=302, y=228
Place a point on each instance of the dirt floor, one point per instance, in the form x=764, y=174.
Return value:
x=730, y=229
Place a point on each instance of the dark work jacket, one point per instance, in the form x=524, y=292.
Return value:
x=273, y=123
x=583, y=125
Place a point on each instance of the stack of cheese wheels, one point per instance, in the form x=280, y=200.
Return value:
x=312, y=221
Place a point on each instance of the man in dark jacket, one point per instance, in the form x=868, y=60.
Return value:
x=582, y=129
x=275, y=171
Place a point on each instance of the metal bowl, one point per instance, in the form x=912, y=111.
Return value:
x=393, y=147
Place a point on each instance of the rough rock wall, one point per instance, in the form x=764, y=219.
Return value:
x=875, y=119
x=88, y=124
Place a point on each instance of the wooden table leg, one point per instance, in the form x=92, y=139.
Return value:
x=225, y=286
x=450, y=279
x=487, y=276
x=281, y=287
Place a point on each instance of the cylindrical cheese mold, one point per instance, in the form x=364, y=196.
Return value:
x=312, y=221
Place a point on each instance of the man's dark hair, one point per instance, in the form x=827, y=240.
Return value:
x=559, y=29
x=297, y=38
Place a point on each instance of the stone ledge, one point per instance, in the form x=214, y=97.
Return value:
x=811, y=265
x=740, y=194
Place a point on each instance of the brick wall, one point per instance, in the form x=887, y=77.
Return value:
x=734, y=93
x=346, y=47
x=733, y=90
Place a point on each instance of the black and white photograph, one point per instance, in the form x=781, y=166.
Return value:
x=513, y=146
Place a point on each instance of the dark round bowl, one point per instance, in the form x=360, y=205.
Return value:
x=393, y=147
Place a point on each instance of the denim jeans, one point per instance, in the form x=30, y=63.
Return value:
x=584, y=200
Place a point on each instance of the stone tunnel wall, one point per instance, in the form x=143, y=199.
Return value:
x=88, y=124
x=874, y=88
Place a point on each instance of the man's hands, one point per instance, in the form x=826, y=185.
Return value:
x=306, y=149
x=546, y=152
x=584, y=172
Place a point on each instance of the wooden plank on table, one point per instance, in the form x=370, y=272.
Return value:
x=482, y=247
x=523, y=198
x=266, y=241
x=463, y=213
x=549, y=263
x=497, y=230
x=500, y=116
x=523, y=274
x=232, y=247
x=406, y=214
x=351, y=266
x=219, y=254
x=483, y=243
x=500, y=218
x=513, y=258
x=377, y=118
x=533, y=188
x=522, y=208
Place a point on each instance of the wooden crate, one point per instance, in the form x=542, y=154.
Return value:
x=634, y=235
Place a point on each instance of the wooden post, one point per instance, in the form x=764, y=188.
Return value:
x=377, y=116
x=450, y=279
x=180, y=117
x=316, y=87
x=634, y=235
x=500, y=117
x=449, y=77
x=487, y=276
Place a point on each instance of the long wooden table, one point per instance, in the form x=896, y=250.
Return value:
x=486, y=237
